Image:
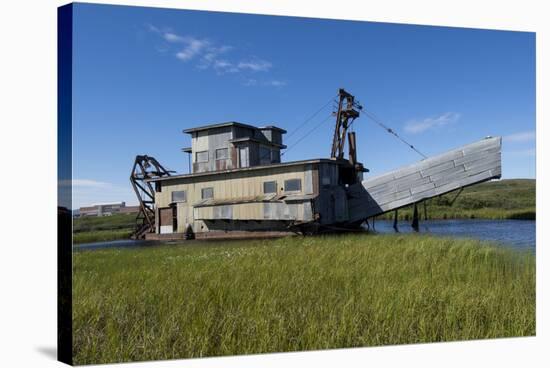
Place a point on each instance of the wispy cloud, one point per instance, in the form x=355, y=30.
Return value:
x=88, y=191
x=207, y=54
x=84, y=183
x=419, y=126
x=192, y=46
x=520, y=137
x=276, y=83
x=255, y=65
x=251, y=82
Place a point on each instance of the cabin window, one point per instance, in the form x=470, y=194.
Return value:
x=293, y=185
x=275, y=156
x=179, y=196
x=201, y=156
x=270, y=187
x=207, y=193
x=221, y=154
x=265, y=155
x=243, y=157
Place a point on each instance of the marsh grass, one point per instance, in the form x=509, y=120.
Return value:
x=496, y=200
x=299, y=293
x=95, y=229
x=101, y=235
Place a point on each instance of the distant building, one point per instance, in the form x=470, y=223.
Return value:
x=107, y=209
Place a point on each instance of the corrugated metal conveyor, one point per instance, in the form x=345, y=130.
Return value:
x=434, y=176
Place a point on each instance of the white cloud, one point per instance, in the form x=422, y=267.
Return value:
x=208, y=55
x=419, y=126
x=255, y=65
x=172, y=37
x=276, y=83
x=84, y=183
x=520, y=137
x=224, y=66
x=152, y=28
x=87, y=191
x=192, y=48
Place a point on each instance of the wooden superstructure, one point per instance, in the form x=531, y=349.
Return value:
x=239, y=186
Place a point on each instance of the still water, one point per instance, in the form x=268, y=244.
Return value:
x=519, y=234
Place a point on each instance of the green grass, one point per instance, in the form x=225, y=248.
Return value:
x=101, y=235
x=498, y=200
x=300, y=293
x=105, y=228
x=113, y=222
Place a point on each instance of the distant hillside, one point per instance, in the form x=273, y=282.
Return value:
x=499, y=199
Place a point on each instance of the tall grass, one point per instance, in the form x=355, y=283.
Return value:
x=497, y=200
x=296, y=293
x=117, y=221
x=104, y=228
x=101, y=235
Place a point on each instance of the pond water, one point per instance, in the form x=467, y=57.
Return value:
x=519, y=234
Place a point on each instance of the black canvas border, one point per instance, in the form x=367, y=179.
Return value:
x=64, y=183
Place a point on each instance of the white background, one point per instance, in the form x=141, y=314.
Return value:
x=28, y=185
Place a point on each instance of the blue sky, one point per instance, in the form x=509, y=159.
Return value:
x=142, y=75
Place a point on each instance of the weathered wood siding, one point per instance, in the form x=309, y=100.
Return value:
x=210, y=141
x=470, y=164
x=240, y=186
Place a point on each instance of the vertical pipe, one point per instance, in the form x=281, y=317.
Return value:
x=395, y=222
x=425, y=211
x=414, y=224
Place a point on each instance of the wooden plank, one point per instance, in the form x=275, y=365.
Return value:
x=477, y=155
x=390, y=197
x=467, y=165
x=438, y=168
x=456, y=171
x=482, y=165
x=422, y=188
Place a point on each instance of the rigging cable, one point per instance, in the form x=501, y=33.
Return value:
x=311, y=117
x=391, y=131
x=304, y=123
x=307, y=134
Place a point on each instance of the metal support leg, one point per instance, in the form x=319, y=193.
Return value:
x=425, y=212
x=415, y=218
x=395, y=222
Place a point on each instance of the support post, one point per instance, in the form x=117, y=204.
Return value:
x=395, y=222
x=425, y=211
x=414, y=224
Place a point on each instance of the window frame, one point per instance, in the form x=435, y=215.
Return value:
x=275, y=152
x=299, y=180
x=197, y=156
x=265, y=156
x=225, y=149
x=178, y=191
x=274, y=182
x=206, y=188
